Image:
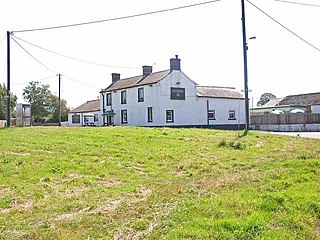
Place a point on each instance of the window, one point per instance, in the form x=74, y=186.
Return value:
x=150, y=117
x=211, y=114
x=177, y=93
x=75, y=118
x=109, y=99
x=232, y=115
x=169, y=116
x=96, y=118
x=123, y=97
x=124, y=117
x=140, y=95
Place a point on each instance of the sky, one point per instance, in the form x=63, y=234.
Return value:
x=207, y=38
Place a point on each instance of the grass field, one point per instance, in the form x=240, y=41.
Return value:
x=157, y=183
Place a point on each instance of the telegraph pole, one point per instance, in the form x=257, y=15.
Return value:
x=8, y=79
x=244, y=41
x=59, y=108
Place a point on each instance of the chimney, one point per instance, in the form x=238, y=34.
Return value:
x=175, y=63
x=146, y=70
x=115, y=77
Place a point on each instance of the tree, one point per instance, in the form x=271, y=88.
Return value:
x=266, y=97
x=3, y=102
x=54, y=109
x=44, y=105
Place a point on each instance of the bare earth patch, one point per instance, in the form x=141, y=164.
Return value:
x=4, y=192
x=15, y=153
x=18, y=205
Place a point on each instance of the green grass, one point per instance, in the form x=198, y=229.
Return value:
x=157, y=183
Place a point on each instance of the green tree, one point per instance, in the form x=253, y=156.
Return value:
x=3, y=102
x=44, y=105
x=266, y=97
x=54, y=109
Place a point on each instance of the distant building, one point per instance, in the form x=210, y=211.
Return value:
x=309, y=102
x=88, y=114
x=169, y=98
x=23, y=115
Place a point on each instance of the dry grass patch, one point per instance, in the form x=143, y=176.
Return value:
x=19, y=205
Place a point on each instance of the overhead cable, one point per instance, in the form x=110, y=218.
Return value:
x=73, y=58
x=298, y=3
x=4, y=37
x=83, y=83
x=293, y=33
x=33, y=56
x=38, y=80
x=117, y=18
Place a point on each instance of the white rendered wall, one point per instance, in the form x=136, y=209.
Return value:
x=97, y=123
x=191, y=111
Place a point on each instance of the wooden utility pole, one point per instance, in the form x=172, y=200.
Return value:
x=244, y=41
x=8, y=80
x=59, y=108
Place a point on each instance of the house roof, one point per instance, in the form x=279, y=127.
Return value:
x=89, y=106
x=273, y=102
x=302, y=99
x=218, y=92
x=137, y=81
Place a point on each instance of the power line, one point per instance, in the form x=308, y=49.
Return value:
x=33, y=56
x=293, y=33
x=298, y=3
x=4, y=37
x=118, y=18
x=73, y=58
x=75, y=80
x=38, y=80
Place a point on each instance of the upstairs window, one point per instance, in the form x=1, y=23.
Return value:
x=123, y=97
x=232, y=114
x=109, y=99
x=211, y=114
x=178, y=94
x=140, y=95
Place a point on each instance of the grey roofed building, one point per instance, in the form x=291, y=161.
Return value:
x=89, y=106
x=218, y=92
x=289, y=103
x=273, y=102
x=302, y=99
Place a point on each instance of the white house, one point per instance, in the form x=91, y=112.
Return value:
x=88, y=114
x=169, y=98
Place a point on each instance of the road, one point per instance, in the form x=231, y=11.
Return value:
x=315, y=135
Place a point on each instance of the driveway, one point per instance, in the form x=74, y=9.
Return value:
x=315, y=135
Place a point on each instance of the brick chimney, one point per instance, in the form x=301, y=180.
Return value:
x=146, y=70
x=115, y=77
x=175, y=63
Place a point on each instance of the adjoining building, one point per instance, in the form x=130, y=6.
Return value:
x=88, y=114
x=170, y=98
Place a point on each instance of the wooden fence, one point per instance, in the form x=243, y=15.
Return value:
x=285, y=119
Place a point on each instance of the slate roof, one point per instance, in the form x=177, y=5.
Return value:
x=302, y=99
x=137, y=81
x=273, y=102
x=89, y=106
x=218, y=92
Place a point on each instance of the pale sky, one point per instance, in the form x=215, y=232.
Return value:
x=207, y=38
